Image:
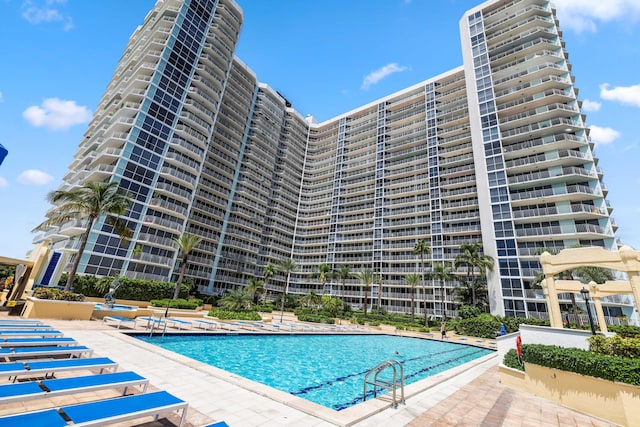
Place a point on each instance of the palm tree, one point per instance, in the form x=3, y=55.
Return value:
x=442, y=272
x=286, y=266
x=472, y=258
x=186, y=243
x=367, y=277
x=324, y=273
x=255, y=288
x=235, y=301
x=421, y=248
x=311, y=299
x=89, y=202
x=267, y=273
x=412, y=280
x=344, y=273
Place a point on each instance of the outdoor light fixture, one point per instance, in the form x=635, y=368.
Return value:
x=585, y=294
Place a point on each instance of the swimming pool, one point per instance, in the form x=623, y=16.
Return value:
x=325, y=369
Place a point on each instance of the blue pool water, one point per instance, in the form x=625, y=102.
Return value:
x=325, y=369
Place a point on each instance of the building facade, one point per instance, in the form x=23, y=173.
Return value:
x=495, y=151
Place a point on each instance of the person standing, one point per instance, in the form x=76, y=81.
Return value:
x=443, y=330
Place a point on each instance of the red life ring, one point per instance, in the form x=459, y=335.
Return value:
x=519, y=345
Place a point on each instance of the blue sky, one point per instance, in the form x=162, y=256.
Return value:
x=57, y=57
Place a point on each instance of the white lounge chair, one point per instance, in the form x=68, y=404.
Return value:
x=120, y=321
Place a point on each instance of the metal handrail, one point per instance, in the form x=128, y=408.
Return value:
x=387, y=385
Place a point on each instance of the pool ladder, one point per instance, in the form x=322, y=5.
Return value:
x=151, y=323
x=377, y=383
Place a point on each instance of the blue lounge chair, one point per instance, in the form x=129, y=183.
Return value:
x=25, y=327
x=150, y=321
x=20, y=322
x=29, y=352
x=178, y=323
x=30, y=342
x=121, y=321
x=17, y=392
x=205, y=324
x=48, y=418
x=48, y=368
x=125, y=408
x=6, y=333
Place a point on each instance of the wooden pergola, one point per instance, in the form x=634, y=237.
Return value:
x=626, y=260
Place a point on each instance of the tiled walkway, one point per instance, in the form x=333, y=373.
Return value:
x=484, y=402
x=473, y=398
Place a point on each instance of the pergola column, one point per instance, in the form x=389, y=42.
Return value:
x=553, y=305
x=600, y=314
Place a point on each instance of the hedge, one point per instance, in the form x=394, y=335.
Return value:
x=129, y=289
x=57, y=294
x=615, y=346
x=190, y=304
x=235, y=315
x=626, y=331
x=315, y=318
x=583, y=362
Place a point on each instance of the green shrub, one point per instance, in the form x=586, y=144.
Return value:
x=626, y=331
x=511, y=360
x=264, y=307
x=584, y=362
x=57, y=294
x=484, y=326
x=235, y=315
x=129, y=289
x=190, y=304
x=615, y=346
x=315, y=318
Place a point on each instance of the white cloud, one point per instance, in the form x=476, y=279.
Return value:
x=39, y=12
x=3, y=182
x=588, y=105
x=583, y=15
x=34, y=177
x=603, y=136
x=375, y=76
x=57, y=114
x=629, y=95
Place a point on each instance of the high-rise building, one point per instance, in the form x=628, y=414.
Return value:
x=495, y=151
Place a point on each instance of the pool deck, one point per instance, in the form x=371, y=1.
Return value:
x=468, y=396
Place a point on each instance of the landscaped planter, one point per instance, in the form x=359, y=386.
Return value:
x=613, y=401
x=36, y=308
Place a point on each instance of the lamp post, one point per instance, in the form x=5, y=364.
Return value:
x=585, y=294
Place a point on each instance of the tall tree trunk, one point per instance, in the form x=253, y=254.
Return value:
x=76, y=262
x=183, y=268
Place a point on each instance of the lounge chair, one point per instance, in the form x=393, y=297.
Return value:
x=151, y=321
x=50, y=351
x=17, y=392
x=121, y=321
x=205, y=324
x=6, y=333
x=25, y=327
x=217, y=424
x=31, y=342
x=102, y=412
x=20, y=322
x=48, y=368
x=178, y=323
